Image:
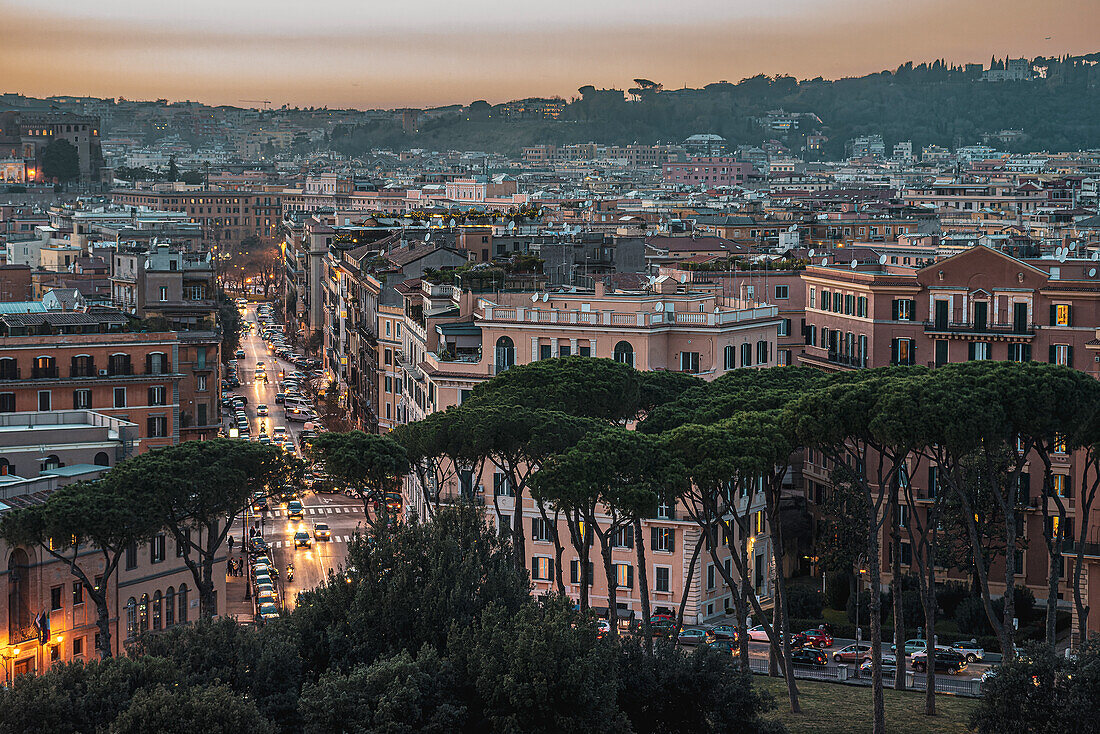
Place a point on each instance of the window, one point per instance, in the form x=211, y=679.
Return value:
x=1060, y=315
x=665, y=511
x=761, y=352
x=689, y=362
x=710, y=576
x=389, y=356
x=540, y=530
x=157, y=607
x=156, y=363
x=784, y=327
x=663, y=540
x=182, y=545
x=156, y=395
x=200, y=358
x=131, y=618
x=826, y=300
x=119, y=364
x=164, y=293
x=156, y=549
x=82, y=366
x=585, y=350
x=44, y=367
x=624, y=575
x=78, y=593
x=730, y=357
x=661, y=580
x=505, y=354
x=624, y=353
x=1061, y=354
x=501, y=486
x=904, y=309
x=746, y=355
x=1059, y=444
x=1019, y=352
x=44, y=400
x=78, y=647
x=143, y=612
x=542, y=568
x=183, y=603
x=169, y=607
x=55, y=598
x=545, y=351
x=575, y=572
x=813, y=298
x=1060, y=484
x=82, y=399
x=565, y=350
x=200, y=383
x=623, y=537
x=120, y=397
x=979, y=350
x=902, y=352
x=157, y=427
x=782, y=292
x=836, y=302
x=861, y=306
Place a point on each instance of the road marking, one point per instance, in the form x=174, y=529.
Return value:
x=346, y=539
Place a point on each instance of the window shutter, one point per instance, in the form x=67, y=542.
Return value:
x=1069, y=315
x=1053, y=315
x=534, y=566
x=912, y=352
x=653, y=538
x=672, y=540
x=1051, y=357
x=1027, y=352
x=151, y=397
x=912, y=309
x=970, y=351
x=148, y=364
x=630, y=577
x=574, y=572
x=535, y=528
x=894, y=349
x=1069, y=356
x=550, y=568
x=893, y=310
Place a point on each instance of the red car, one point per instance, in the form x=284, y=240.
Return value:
x=818, y=638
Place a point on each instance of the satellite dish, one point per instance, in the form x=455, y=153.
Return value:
x=1092, y=272
x=658, y=306
x=854, y=264
x=427, y=236
x=545, y=297
x=452, y=222
x=793, y=228
x=511, y=225
x=1072, y=245
x=683, y=278
x=824, y=261
x=813, y=252
x=881, y=259
x=1062, y=257
x=534, y=297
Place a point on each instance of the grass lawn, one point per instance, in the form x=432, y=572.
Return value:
x=829, y=708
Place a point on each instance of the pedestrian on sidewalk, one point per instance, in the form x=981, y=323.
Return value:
x=230, y=543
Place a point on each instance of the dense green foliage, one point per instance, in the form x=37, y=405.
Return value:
x=60, y=161
x=926, y=103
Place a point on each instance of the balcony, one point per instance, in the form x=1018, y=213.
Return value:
x=461, y=354
x=1000, y=331
x=859, y=361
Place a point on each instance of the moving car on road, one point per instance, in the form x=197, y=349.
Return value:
x=947, y=661
x=911, y=646
x=971, y=649
x=721, y=632
x=853, y=653
x=261, y=409
x=758, y=633
x=889, y=666
x=693, y=636
x=302, y=539
x=819, y=638
x=321, y=531
x=808, y=656
x=294, y=510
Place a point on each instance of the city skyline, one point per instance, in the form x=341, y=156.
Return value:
x=387, y=58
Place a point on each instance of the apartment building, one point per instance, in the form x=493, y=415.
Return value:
x=452, y=337
x=48, y=618
x=56, y=361
x=227, y=216
x=708, y=171
x=979, y=304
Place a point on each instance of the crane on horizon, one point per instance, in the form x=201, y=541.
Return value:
x=265, y=102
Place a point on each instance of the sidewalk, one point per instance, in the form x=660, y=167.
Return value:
x=237, y=606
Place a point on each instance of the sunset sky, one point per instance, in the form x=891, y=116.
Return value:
x=365, y=53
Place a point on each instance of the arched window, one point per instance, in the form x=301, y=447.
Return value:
x=143, y=612
x=131, y=618
x=731, y=357
x=505, y=354
x=6, y=468
x=156, y=610
x=9, y=369
x=102, y=459
x=44, y=367
x=169, y=607
x=183, y=603
x=119, y=364
x=156, y=363
x=19, y=592
x=51, y=462
x=624, y=353
x=83, y=365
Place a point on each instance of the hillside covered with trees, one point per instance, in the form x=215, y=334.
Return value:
x=927, y=103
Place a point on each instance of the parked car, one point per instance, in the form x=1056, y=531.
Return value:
x=239, y=354
x=809, y=656
x=722, y=632
x=818, y=638
x=855, y=652
x=889, y=665
x=946, y=661
x=267, y=612
x=911, y=646
x=971, y=649
x=280, y=398
x=661, y=627
x=302, y=539
x=692, y=636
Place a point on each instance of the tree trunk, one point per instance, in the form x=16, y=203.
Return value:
x=878, y=725
x=517, y=521
x=781, y=599
x=102, y=620
x=896, y=586
x=559, y=550
x=687, y=588
x=612, y=581
x=928, y=598
x=1079, y=561
x=582, y=548
x=741, y=599
x=643, y=583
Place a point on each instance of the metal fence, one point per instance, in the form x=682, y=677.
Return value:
x=849, y=674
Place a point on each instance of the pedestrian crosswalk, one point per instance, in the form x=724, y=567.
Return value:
x=290, y=543
x=322, y=510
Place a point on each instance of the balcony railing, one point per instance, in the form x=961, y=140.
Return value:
x=461, y=355
x=970, y=327
x=43, y=373
x=847, y=360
